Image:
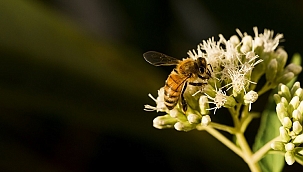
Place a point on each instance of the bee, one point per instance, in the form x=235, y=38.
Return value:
x=187, y=72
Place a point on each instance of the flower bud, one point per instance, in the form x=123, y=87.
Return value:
x=194, y=118
x=209, y=90
x=205, y=120
x=289, y=146
x=234, y=40
x=294, y=68
x=271, y=70
x=281, y=111
x=284, y=101
x=281, y=57
x=247, y=40
x=204, y=105
x=299, y=93
x=289, y=157
x=184, y=126
x=285, y=92
x=284, y=135
x=258, y=42
x=287, y=122
x=297, y=116
x=277, y=98
x=165, y=121
x=297, y=127
x=300, y=107
x=245, y=48
x=285, y=78
x=277, y=145
x=293, y=104
x=177, y=114
x=250, y=97
x=298, y=139
x=295, y=87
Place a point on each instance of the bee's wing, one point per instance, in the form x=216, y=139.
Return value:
x=159, y=59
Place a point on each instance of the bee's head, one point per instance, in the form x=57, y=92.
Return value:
x=201, y=62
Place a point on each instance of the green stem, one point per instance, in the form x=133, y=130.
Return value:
x=247, y=153
x=222, y=127
x=245, y=120
x=267, y=86
x=262, y=151
x=224, y=140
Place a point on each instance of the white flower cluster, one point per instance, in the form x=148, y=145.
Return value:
x=236, y=66
x=290, y=113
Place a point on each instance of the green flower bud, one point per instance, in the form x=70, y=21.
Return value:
x=300, y=107
x=194, y=118
x=204, y=105
x=209, y=90
x=281, y=57
x=284, y=135
x=293, y=104
x=271, y=70
x=277, y=145
x=277, y=98
x=281, y=111
x=285, y=78
x=289, y=157
x=294, y=68
x=205, y=120
x=298, y=139
x=184, y=126
x=177, y=114
x=299, y=93
x=295, y=87
x=297, y=116
x=284, y=92
x=289, y=146
x=287, y=122
x=297, y=127
x=162, y=122
x=284, y=102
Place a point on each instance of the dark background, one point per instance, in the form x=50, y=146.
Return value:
x=73, y=82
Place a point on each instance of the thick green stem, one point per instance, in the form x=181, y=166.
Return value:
x=224, y=140
x=247, y=153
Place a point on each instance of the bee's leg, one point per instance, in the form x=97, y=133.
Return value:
x=204, y=78
x=183, y=101
x=196, y=83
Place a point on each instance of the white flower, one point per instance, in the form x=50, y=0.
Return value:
x=219, y=100
x=267, y=39
x=192, y=54
x=250, y=98
x=159, y=101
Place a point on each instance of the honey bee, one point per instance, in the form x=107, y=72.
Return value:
x=187, y=71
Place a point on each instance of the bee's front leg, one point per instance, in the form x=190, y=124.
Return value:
x=183, y=101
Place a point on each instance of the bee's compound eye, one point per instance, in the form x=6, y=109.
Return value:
x=201, y=69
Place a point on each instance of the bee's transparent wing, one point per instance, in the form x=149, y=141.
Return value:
x=159, y=59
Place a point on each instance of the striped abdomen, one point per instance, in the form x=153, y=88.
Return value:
x=172, y=89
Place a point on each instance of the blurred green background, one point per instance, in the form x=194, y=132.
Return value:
x=73, y=82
